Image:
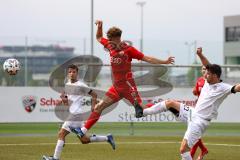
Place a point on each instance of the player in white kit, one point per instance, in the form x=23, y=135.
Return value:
x=212, y=95
x=74, y=120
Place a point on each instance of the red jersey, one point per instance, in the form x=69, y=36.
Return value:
x=199, y=85
x=121, y=58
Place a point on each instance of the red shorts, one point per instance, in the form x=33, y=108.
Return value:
x=118, y=91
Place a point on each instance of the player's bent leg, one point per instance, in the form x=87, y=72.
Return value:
x=78, y=131
x=109, y=138
x=111, y=141
x=202, y=146
x=172, y=104
x=195, y=130
x=131, y=94
x=95, y=115
x=60, y=143
x=96, y=138
x=137, y=103
x=185, y=150
x=62, y=134
x=85, y=139
x=138, y=110
x=162, y=107
x=194, y=149
x=105, y=103
x=156, y=108
x=204, y=150
x=59, y=146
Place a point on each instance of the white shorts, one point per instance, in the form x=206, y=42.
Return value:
x=74, y=121
x=196, y=128
x=185, y=113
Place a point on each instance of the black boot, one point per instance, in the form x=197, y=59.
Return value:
x=138, y=111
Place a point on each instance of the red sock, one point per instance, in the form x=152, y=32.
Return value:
x=93, y=118
x=194, y=149
x=201, y=145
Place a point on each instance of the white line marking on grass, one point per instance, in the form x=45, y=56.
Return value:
x=46, y=144
x=226, y=145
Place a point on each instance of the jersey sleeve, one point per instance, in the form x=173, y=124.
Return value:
x=135, y=54
x=104, y=41
x=227, y=88
x=85, y=89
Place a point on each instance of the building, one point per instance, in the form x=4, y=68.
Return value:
x=232, y=39
x=40, y=59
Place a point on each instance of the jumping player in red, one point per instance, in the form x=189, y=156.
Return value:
x=121, y=55
x=196, y=91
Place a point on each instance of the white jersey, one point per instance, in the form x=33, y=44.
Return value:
x=210, y=99
x=76, y=92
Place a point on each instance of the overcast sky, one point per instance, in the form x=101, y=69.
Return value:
x=166, y=22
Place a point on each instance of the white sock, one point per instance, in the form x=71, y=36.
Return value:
x=84, y=130
x=186, y=156
x=95, y=138
x=156, y=108
x=58, y=149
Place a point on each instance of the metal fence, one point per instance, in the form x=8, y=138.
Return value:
x=146, y=75
x=41, y=56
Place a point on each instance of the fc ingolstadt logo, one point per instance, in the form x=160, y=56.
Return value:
x=29, y=103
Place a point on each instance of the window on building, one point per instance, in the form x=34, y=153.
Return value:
x=232, y=60
x=232, y=34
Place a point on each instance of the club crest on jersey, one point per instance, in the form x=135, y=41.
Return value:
x=29, y=103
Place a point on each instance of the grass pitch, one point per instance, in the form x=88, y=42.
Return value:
x=152, y=141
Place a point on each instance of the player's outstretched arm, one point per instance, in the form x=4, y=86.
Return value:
x=153, y=60
x=99, y=34
x=236, y=88
x=203, y=59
